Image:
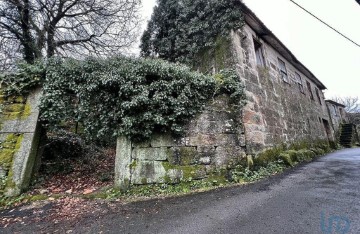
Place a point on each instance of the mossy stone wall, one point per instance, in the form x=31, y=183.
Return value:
x=212, y=142
x=19, y=138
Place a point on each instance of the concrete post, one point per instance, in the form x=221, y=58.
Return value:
x=123, y=163
x=19, y=138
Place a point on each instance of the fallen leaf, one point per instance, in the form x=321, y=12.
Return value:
x=88, y=191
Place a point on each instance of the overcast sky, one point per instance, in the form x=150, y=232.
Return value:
x=333, y=59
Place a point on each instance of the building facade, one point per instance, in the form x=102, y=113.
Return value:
x=337, y=114
x=285, y=100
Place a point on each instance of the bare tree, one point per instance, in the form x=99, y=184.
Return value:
x=42, y=28
x=352, y=104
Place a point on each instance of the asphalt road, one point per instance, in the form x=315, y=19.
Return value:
x=319, y=197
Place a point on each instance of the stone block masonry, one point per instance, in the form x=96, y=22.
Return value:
x=212, y=141
x=280, y=109
x=19, y=140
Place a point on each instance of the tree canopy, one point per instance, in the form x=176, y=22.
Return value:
x=37, y=28
x=179, y=29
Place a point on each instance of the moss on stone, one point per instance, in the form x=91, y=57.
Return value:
x=217, y=57
x=27, y=111
x=187, y=155
x=133, y=164
x=38, y=197
x=6, y=157
x=217, y=179
x=13, y=144
x=143, y=180
x=13, y=108
x=182, y=155
x=9, y=180
x=9, y=146
x=188, y=171
x=19, y=99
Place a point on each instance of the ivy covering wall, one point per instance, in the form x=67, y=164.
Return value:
x=129, y=97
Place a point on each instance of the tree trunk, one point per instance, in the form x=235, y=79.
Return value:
x=28, y=43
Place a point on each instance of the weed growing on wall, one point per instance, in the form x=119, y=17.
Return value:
x=130, y=97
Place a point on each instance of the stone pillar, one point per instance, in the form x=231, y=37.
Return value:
x=123, y=163
x=19, y=140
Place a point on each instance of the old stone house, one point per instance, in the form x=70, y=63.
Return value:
x=285, y=104
x=285, y=99
x=337, y=114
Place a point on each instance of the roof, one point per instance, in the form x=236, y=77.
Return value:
x=263, y=32
x=335, y=103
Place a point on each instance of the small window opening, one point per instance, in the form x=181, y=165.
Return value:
x=310, y=91
x=299, y=82
x=335, y=110
x=283, y=71
x=318, y=95
x=259, y=53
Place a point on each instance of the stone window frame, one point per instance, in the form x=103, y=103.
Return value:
x=310, y=90
x=299, y=81
x=283, y=71
x=259, y=53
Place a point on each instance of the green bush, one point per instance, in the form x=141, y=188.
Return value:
x=23, y=79
x=286, y=158
x=130, y=97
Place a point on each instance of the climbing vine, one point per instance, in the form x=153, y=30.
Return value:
x=131, y=97
x=120, y=96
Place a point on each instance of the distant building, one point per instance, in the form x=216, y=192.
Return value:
x=337, y=113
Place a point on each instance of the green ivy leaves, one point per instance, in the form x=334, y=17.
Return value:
x=132, y=97
x=22, y=80
x=121, y=96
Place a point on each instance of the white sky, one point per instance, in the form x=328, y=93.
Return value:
x=333, y=59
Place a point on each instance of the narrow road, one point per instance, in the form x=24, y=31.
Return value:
x=320, y=197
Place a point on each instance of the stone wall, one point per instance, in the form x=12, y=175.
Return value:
x=19, y=140
x=277, y=111
x=212, y=141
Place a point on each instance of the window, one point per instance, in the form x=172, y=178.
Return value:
x=335, y=110
x=283, y=71
x=309, y=89
x=259, y=54
x=300, y=83
x=341, y=110
x=318, y=95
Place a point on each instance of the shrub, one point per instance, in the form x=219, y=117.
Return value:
x=130, y=97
